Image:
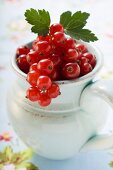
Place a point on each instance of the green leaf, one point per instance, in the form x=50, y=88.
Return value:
x=83, y=34
x=65, y=18
x=74, y=24
x=39, y=19
x=28, y=166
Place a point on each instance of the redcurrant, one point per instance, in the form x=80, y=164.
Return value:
x=56, y=28
x=23, y=64
x=22, y=50
x=32, y=77
x=85, y=69
x=71, y=55
x=91, y=59
x=71, y=70
x=44, y=83
x=32, y=57
x=33, y=67
x=54, y=90
x=55, y=59
x=45, y=65
x=33, y=94
x=43, y=48
x=44, y=99
x=58, y=38
x=81, y=48
x=70, y=43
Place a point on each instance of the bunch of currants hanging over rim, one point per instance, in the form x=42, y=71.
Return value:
x=54, y=57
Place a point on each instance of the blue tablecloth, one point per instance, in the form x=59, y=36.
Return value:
x=14, y=31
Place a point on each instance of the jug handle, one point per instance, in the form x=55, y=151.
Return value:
x=104, y=90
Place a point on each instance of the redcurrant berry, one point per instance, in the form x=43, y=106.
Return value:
x=71, y=55
x=44, y=99
x=55, y=59
x=43, y=48
x=23, y=64
x=82, y=60
x=54, y=90
x=33, y=67
x=85, y=69
x=32, y=57
x=81, y=48
x=44, y=83
x=56, y=28
x=45, y=65
x=71, y=70
x=32, y=77
x=54, y=75
x=22, y=50
x=59, y=38
x=33, y=94
x=70, y=43
x=91, y=59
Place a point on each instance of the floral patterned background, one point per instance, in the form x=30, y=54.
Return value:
x=14, y=31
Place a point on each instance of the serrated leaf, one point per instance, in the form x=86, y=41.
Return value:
x=83, y=34
x=78, y=20
x=28, y=166
x=65, y=18
x=40, y=30
x=31, y=16
x=40, y=19
x=74, y=25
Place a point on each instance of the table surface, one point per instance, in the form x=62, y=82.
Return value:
x=14, y=31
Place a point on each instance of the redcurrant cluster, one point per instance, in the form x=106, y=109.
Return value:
x=51, y=58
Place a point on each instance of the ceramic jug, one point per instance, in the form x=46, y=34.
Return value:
x=70, y=124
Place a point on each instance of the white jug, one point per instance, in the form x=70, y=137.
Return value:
x=70, y=123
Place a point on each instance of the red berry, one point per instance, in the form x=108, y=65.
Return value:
x=71, y=70
x=54, y=75
x=33, y=67
x=81, y=48
x=22, y=50
x=82, y=60
x=44, y=38
x=23, y=64
x=71, y=55
x=54, y=90
x=85, y=69
x=56, y=28
x=32, y=94
x=91, y=59
x=44, y=83
x=32, y=77
x=58, y=38
x=80, y=56
x=34, y=44
x=43, y=48
x=45, y=65
x=55, y=59
x=44, y=99
x=32, y=57
x=60, y=51
x=70, y=43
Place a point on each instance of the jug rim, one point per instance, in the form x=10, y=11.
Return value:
x=92, y=48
